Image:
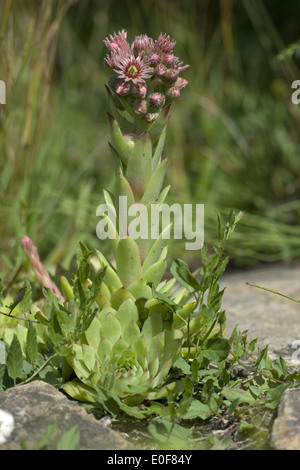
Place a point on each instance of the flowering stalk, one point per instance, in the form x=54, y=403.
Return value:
x=42, y=276
x=137, y=337
x=145, y=82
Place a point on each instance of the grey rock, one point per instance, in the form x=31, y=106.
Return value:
x=275, y=322
x=272, y=319
x=286, y=428
x=27, y=411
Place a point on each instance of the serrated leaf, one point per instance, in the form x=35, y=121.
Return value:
x=215, y=349
x=14, y=359
x=22, y=298
x=181, y=272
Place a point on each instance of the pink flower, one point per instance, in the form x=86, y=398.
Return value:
x=164, y=44
x=142, y=45
x=117, y=42
x=130, y=68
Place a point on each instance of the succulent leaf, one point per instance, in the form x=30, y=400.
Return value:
x=128, y=261
x=139, y=167
x=123, y=149
x=154, y=186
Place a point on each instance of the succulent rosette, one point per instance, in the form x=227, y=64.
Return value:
x=132, y=362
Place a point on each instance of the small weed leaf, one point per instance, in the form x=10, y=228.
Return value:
x=181, y=272
x=69, y=440
x=31, y=343
x=14, y=360
x=215, y=349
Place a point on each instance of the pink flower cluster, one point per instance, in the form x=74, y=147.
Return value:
x=146, y=72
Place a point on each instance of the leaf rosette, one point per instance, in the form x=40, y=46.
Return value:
x=130, y=360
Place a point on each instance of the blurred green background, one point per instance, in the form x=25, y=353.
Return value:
x=233, y=140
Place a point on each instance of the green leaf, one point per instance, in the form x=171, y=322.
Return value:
x=240, y=395
x=159, y=146
x=112, y=404
x=181, y=272
x=14, y=359
x=215, y=349
x=69, y=439
x=96, y=286
x=168, y=433
x=82, y=255
x=123, y=188
x=154, y=186
x=183, y=365
x=155, y=272
x=164, y=298
x=80, y=295
x=139, y=167
x=31, y=343
x=123, y=149
x=2, y=372
x=1, y=292
x=198, y=410
x=22, y=298
x=46, y=439
x=128, y=261
x=54, y=329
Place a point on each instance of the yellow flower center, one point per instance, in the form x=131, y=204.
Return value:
x=132, y=71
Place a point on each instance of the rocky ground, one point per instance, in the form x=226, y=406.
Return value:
x=274, y=321
x=27, y=411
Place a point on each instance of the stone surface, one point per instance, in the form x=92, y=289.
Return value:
x=26, y=411
x=286, y=428
x=272, y=319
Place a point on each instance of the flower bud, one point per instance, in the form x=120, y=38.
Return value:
x=141, y=107
x=181, y=83
x=123, y=89
x=157, y=99
x=160, y=70
x=150, y=117
x=154, y=59
x=173, y=92
x=142, y=44
x=169, y=60
x=171, y=75
x=139, y=90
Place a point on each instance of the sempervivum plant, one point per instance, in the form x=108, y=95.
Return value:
x=125, y=326
x=135, y=339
